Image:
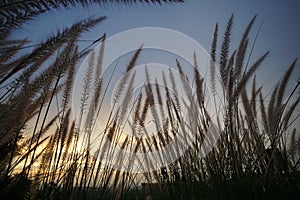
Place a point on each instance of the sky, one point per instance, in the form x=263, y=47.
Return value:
x=196, y=19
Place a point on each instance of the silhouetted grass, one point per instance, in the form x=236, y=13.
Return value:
x=252, y=158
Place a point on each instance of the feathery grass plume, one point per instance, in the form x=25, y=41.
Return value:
x=174, y=90
x=15, y=13
x=160, y=101
x=47, y=48
x=292, y=93
x=61, y=59
x=287, y=116
x=252, y=119
x=144, y=112
x=85, y=95
x=213, y=60
x=12, y=7
x=272, y=115
x=283, y=84
x=245, y=101
x=199, y=82
x=98, y=79
x=241, y=53
x=10, y=21
x=253, y=96
x=225, y=51
x=100, y=56
x=168, y=97
x=159, y=97
x=137, y=110
x=9, y=50
x=70, y=137
x=97, y=83
x=24, y=78
x=28, y=91
x=150, y=95
x=35, y=137
x=40, y=102
x=245, y=78
x=249, y=109
x=230, y=82
x=6, y=46
x=126, y=100
x=125, y=76
x=278, y=118
x=70, y=78
x=263, y=113
x=112, y=130
x=88, y=93
x=184, y=80
x=8, y=119
x=148, y=87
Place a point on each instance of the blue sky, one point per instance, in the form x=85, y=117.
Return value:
x=195, y=18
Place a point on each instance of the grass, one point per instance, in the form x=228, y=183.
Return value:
x=253, y=158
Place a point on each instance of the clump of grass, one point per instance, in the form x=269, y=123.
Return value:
x=251, y=158
x=32, y=83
